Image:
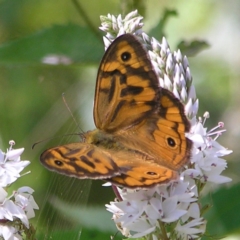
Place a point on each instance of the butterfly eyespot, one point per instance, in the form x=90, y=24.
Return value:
x=58, y=163
x=151, y=173
x=171, y=142
x=125, y=56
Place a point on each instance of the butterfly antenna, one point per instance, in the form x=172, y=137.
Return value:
x=65, y=135
x=81, y=133
x=68, y=108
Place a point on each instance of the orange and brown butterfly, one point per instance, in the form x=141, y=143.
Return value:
x=140, y=136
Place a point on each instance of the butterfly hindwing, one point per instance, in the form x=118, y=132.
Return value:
x=144, y=175
x=81, y=160
x=172, y=128
x=162, y=135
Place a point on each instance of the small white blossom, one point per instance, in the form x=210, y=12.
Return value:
x=24, y=199
x=191, y=229
x=9, y=232
x=116, y=26
x=11, y=166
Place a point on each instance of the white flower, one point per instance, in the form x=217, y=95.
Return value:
x=206, y=154
x=116, y=26
x=191, y=229
x=9, y=211
x=24, y=199
x=11, y=166
x=17, y=208
x=9, y=233
x=140, y=210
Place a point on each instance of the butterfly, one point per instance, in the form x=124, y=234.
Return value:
x=139, y=140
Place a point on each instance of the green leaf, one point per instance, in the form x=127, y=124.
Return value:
x=96, y=235
x=76, y=234
x=158, y=30
x=192, y=48
x=61, y=235
x=83, y=223
x=91, y=217
x=77, y=43
x=135, y=239
x=131, y=5
x=223, y=218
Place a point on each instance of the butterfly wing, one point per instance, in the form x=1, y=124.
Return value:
x=170, y=134
x=136, y=172
x=164, y=133
x=83, y=160
x=127, y=88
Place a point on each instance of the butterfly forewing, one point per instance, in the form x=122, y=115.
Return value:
x=127, y=88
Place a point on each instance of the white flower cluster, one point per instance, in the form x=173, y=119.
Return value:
x=169, y=211
x=207, y=153
x=173, y=73
x=17, y=208
x=116, y=26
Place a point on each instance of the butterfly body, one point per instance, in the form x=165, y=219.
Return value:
x=140, y=137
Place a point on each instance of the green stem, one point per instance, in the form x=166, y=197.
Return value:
x=86, y=18
x=163, y=230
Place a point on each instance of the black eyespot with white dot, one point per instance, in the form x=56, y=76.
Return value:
x=58, y=163
x=125, y=56
x=151, y=173
x=171, y=142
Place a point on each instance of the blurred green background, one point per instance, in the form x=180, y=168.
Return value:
x=32, y=109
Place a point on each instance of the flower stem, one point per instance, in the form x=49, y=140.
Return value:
x=86, y=18
x=163, y=230
x=115, y=190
